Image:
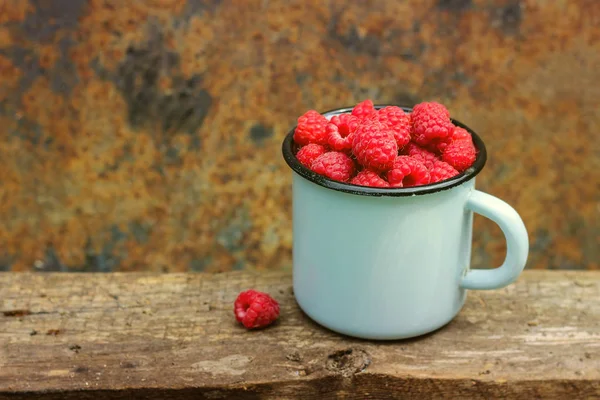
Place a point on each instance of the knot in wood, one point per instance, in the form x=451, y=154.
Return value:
x=348, y=362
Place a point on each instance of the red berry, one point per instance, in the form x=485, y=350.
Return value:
x=374, y=146
x=460, y=153
x=419, y=153
x=255, y=309
x=460, y=134
x=340, y=131
x=364, y=110
x=442, y=171
x=407, y=172
x=369, y=178
x=430, y=121
x=336, y=141
x=438, y=146
x=311, y=129
x=398, y=121
x=334, y=165
x=346, y=123
x=309, y=153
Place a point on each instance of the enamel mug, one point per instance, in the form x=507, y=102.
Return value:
x=393, y=263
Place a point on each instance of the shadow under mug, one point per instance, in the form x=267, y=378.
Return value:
x=393, y=263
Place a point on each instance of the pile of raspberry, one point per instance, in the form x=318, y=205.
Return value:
x=386, y=147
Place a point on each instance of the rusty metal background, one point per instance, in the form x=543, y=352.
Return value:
x=145, y=134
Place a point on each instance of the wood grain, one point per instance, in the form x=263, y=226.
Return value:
x=130, y=336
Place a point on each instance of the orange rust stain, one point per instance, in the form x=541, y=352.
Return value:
x=10, y=76
x=14, y=10
x=6, y=38
x=48, y=54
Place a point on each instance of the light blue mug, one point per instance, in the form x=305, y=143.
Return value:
x=393, y=263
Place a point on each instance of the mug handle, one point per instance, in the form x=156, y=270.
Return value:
x=517, y=243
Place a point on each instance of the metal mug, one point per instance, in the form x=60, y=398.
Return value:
x=393, y=263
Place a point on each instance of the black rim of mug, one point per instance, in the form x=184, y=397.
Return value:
x=289, y=149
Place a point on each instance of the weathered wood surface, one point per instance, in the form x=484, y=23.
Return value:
x=129, y=336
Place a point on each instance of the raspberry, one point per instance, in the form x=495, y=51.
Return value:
x=335, y=139
x=334, y=165
x=460, y=154
x=430, y=121
x=369, y=178
x=346, y=123
x=340, y=131
x=255, y=309
x=442, y=171
x=407, y=172
x=460, y=134
x=311, y=129
x=398, y=121
x=438, y=146
x=309, y=153
x=364, y=110
x=419, y=153
x=374, y=146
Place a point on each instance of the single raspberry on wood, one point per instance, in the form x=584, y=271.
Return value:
x=369, y=178
x=334, y=165
x=340, y=130
x=442, y=171
x=255, y=309
x=374, y=146
x=419, y=153
x=309, y=153
x=311, y=128
x=364, y=110
x=430, y=121
x=408, y=172
x=398, y=121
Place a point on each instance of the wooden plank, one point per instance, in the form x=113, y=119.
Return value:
x=128, y=336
